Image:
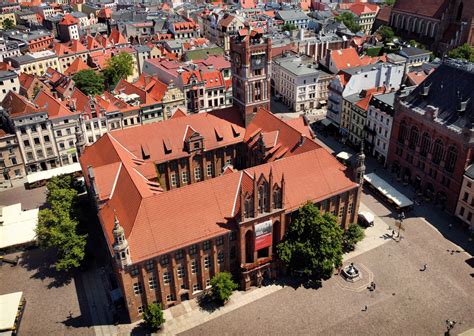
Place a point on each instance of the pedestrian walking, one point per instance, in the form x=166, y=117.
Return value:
x=393, y=233
x=70, y=315
x=365, y=308
x=423, y=268
x=450, y=226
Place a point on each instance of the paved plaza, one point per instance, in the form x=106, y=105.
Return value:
x=50, y=296
x=406, y=301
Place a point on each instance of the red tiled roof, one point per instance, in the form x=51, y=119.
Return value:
x=154, y=222
x=26, y=80
x=76, y=66
x=363, y=8
x=289, y=140
x=18, y=105
x=345, y=58
x=428, y=8
x=117, y=38
x=68, y=20
x=53, y=106
x=156, y=135
x=77, y=47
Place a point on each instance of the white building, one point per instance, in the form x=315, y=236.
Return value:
x=8, y=81
x=379, y=124
x=298, y=80
x=353, y=80
x=465, y=207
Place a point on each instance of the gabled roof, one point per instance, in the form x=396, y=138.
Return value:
x=288, y=140
x=428, y=8
x=154, y=222
x=77, y=65
x=165, y=145
x=117, y=38
x=68, y=20
x=77, y=47
x=17, y=105
x=55, y=107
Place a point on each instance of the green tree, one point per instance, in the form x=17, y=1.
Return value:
x=349, y=21
x=387, y=33
x=313, y=243
x=57, y=225
x=119, y=67
x=222, y=287
x=464, y=52
x=8, y=24
x=352, y=236
x=153, y=317
x=390, y=2
x=288, y=27
x=89, y=82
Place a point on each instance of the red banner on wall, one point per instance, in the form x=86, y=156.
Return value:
x=263, y=235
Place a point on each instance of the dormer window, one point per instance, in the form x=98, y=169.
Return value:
x=196, y=145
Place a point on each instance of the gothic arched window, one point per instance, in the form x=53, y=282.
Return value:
x=413, y=137
x=425, y=144
x=402, y=132
x=438, y=151
x=451, y=158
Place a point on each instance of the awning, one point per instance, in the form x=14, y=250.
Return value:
x=388, y=190
x=18, y=227
x=369, y=217
x=9, y=304
x=47, y=174
x=344, y=156
x=322, y=102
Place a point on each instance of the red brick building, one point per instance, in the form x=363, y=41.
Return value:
x=184, y=199
x=432, y=136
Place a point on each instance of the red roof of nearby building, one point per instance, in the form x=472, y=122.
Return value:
x=363, y=8
x=17, y=105
x=429, y=8
x=55, y=107
x=68, y=20
x=77, y=65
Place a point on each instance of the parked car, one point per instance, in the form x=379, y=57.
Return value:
x=366, y=219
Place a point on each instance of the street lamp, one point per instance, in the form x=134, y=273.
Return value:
x=6, y=170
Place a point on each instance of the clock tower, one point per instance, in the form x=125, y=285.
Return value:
x=251, y=63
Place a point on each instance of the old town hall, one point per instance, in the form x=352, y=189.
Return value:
x=186, y=198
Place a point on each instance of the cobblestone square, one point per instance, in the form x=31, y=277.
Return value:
x=407, y=301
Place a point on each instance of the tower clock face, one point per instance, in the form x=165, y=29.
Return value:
x=258, y=61
x=237, y=60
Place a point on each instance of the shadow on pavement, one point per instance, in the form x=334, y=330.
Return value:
x=41, y=262
x=206, y=303
x=298, y=282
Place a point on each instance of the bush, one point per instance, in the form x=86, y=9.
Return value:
x=153, y=317
x=222, y=287
x=352, y=236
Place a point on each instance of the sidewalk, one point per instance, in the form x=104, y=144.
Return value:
x=375, y=236
x=16, y=182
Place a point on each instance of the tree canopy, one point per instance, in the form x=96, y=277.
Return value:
x=153, y=317
x=313, y=243
x=390, y=2
x=464, y=52
x=349, y=21
x=57, y=225
x=387, y=33
x=288, y=27
x=222, y=287
x=8, y=24
x=119, y=67
x=89, y=81
x=352, y=236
